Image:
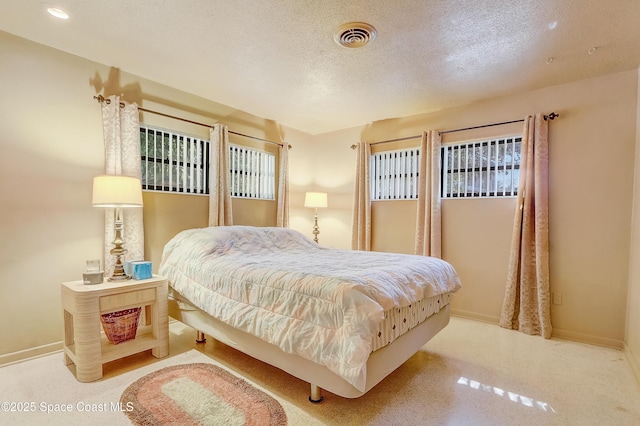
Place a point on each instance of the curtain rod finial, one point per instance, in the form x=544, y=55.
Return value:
x=551, y=116
x=102, y=99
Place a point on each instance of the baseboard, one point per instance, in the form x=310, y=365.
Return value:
x=474, y=316
x=36, y=352
x=633, y=362
x=30, y=353
x=587, y=338
x=557, y=332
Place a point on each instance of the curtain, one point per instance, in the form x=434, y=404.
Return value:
x=428, y=225
x=219, y=179
x=121, y=130
x=526, y=305
x=361, y=227
x=283, y=188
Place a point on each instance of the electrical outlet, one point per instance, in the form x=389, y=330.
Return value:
x=557, y=298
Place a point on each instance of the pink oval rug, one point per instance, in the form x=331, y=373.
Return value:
x=198, y=394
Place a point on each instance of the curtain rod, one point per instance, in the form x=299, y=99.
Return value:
x=550, y=116
x=101, y=99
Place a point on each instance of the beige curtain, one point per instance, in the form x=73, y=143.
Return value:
x=361, y=227
x=283, y=188
x=428, y=225
x=526, y=305
x=219, y=180
x=121, y=130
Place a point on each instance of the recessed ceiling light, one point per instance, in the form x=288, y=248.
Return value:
x=58, y=13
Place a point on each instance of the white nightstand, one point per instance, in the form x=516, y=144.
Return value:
x=86, y=346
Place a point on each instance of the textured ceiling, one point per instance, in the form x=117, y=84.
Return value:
x=277, y=58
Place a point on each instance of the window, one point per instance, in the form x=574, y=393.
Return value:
x=173, y=162
x=481, y=169
x=394, y=174
x=252, y=173
x=489, y=168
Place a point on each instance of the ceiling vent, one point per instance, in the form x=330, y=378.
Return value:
x=354, y=34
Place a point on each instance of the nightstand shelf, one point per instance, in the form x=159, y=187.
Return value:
x=86, y=345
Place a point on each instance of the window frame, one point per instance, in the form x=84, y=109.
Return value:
x=194, y=179
x=490, y=172
x=261, y=181
x=398, y=177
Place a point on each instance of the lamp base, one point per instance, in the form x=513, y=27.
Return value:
x=118, y=271
x=119, y=278
x=118, y=250
x=316, y=228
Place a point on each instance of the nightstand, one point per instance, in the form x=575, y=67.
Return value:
x=86, y=345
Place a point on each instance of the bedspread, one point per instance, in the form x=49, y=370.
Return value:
x=320, y=303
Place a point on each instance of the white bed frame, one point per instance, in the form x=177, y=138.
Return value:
x=380, y=364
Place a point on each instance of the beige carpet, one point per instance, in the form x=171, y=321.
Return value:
x=471, y=373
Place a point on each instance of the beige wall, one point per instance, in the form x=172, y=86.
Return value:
x=632, y=340
x=167, y=214
x=591, y=174
x=52, y=146
x=329, y=166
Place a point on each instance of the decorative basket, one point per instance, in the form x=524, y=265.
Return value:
x=122, y=325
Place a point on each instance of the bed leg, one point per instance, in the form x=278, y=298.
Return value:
x=315, y=396
x=200, y=337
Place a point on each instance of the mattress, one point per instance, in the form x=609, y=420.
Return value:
x=319, y=303
x=398, y=321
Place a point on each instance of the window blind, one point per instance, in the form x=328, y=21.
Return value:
x=173, y=162
x=252, y=173
x=394, y=174
x=488, y=168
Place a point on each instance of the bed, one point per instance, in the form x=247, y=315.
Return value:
x=341, y=320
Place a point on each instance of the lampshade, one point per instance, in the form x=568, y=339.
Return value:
x=315, y=200
x=116, y=191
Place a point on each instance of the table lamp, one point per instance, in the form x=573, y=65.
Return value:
x=118, y=192
x=316, y=200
